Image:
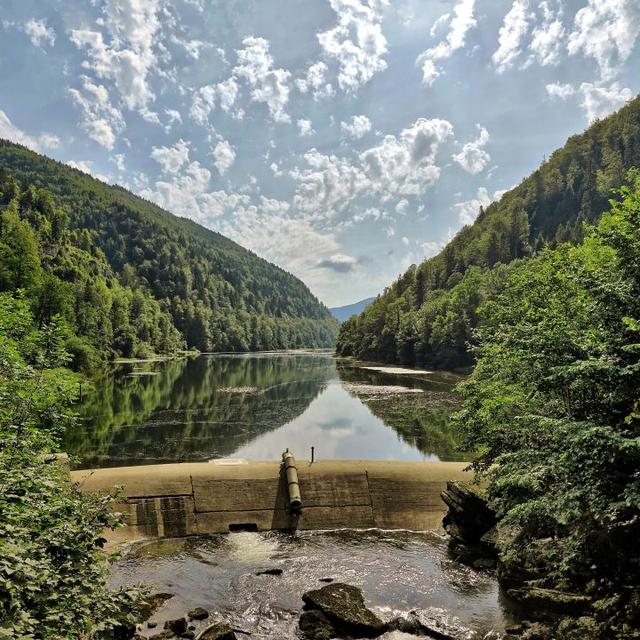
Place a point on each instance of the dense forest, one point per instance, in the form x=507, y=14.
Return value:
x=127, y=274
x=429, y=314
x=553, y=411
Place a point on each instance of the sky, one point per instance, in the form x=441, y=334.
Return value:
x=343, y=140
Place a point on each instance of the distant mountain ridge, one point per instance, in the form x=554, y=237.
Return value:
x=220, y=296
x=343, y=313
x=429, y=314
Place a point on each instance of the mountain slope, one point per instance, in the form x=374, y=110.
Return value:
x=429, y=313
x=220, y=295
x=342, y=313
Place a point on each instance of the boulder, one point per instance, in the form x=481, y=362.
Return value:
x=551, y=599
x=218, y=631
x=147, y=607
x=344, y=606
x=167, y=633
x=314, y=625
x=177, y=626
x=469, y=516
x=431, y=622
x=198, y=614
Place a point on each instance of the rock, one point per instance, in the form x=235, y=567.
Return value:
x=326, y=580
x=314, y=625
x=152, y=625
x=124, y=631
x=270, y=572
x=551, y=599
x=343, y=605
x=218, y=631
x=538, y=631
x=178, y=626
x=198, y=614
x=188, y=635
x=146, y=608
x=469, y=517
x=432, y=622
x=167, y=633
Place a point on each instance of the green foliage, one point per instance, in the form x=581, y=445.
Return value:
x=52, y=571
x=552, y=405
x=429, y=313
x=220, y=296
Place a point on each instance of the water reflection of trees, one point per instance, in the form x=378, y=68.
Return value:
x=422, y=420
x=194, y=409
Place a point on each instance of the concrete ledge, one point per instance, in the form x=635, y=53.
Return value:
x=174, y=500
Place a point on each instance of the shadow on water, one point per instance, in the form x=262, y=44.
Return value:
x=256, y=405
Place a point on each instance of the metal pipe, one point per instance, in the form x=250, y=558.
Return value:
x=291, y=472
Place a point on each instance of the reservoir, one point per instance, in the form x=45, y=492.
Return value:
x=254, y=406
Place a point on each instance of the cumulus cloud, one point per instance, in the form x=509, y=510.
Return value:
x=600, y=101
x=459, y=24
x=171, y=159
x=339, y=263
x=548, y=36
x=9, y=131
x=101, y=121
x=356, y=42
x=473, y=158
x=40, y=33
x=268, y=85
x=80, y=165
x=357, y=128
x=512, y=33
x=606, y=30
x=559, y=90
x=400, y=165
x=469, y=209
x=314, y=82
x=224, y=156
x=128, y=58
x=305, y=127
x=205, y=99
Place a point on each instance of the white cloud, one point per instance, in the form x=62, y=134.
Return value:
x=224, y=156
x=100, y=119
x=461, y=22
x=356, y=42
x=9, y=131
x=128, y=58
x=268, y=85
x=305, y=127
x=400, y=165
x=512, y=33
x=606, y=30
x=431, y=248
x=205, y=99
x=80, y=165
x=339, y=262
x=40, y=32
x=559, y=90
x=548, y=37
x=171, y=159
x=314, y=81
x=468, y=210
x=402, y=206
x=600, y=101
x=473, y=158
x=357, y=128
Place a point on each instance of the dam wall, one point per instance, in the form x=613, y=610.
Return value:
x=175, y=500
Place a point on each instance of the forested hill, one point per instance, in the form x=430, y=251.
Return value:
x=429, y=313
x=218, y=295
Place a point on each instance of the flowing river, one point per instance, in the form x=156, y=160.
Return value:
x=254, y=406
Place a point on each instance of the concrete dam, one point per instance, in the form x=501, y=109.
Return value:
x=185, y=499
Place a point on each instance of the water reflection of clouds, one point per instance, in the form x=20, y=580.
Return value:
x=339, y=427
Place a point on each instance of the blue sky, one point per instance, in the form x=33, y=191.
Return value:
x=341, y=139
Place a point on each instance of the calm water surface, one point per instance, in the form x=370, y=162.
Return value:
x=254, y=406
